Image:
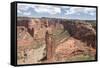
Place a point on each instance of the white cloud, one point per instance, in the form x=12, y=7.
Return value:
x=18, y=11
x=74, y=10
x=53, y=10
x=70, y=11
x=27, y=13
x=47, y=9
x=65, y=7
x=39, y=8
x=23, y=7
x=79, y=10
x=91, y=11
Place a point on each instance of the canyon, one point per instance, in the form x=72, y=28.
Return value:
x=48, y=40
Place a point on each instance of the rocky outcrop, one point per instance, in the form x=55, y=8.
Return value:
x=52, y=40
x=82, y=31
x=72, y=47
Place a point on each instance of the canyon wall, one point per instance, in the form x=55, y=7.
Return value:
x=49, y=38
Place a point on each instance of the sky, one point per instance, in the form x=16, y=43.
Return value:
x=55, y=11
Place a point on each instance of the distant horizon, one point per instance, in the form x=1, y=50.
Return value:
x=57, y=18
x=55, y=11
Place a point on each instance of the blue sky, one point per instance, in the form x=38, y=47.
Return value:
x=54, y=11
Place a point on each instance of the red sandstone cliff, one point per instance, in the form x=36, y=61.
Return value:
x=56, y=39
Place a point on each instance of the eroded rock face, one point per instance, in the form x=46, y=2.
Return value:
x=72, y=47
x=31, y=55
x=82, y=31
x=55, y=39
